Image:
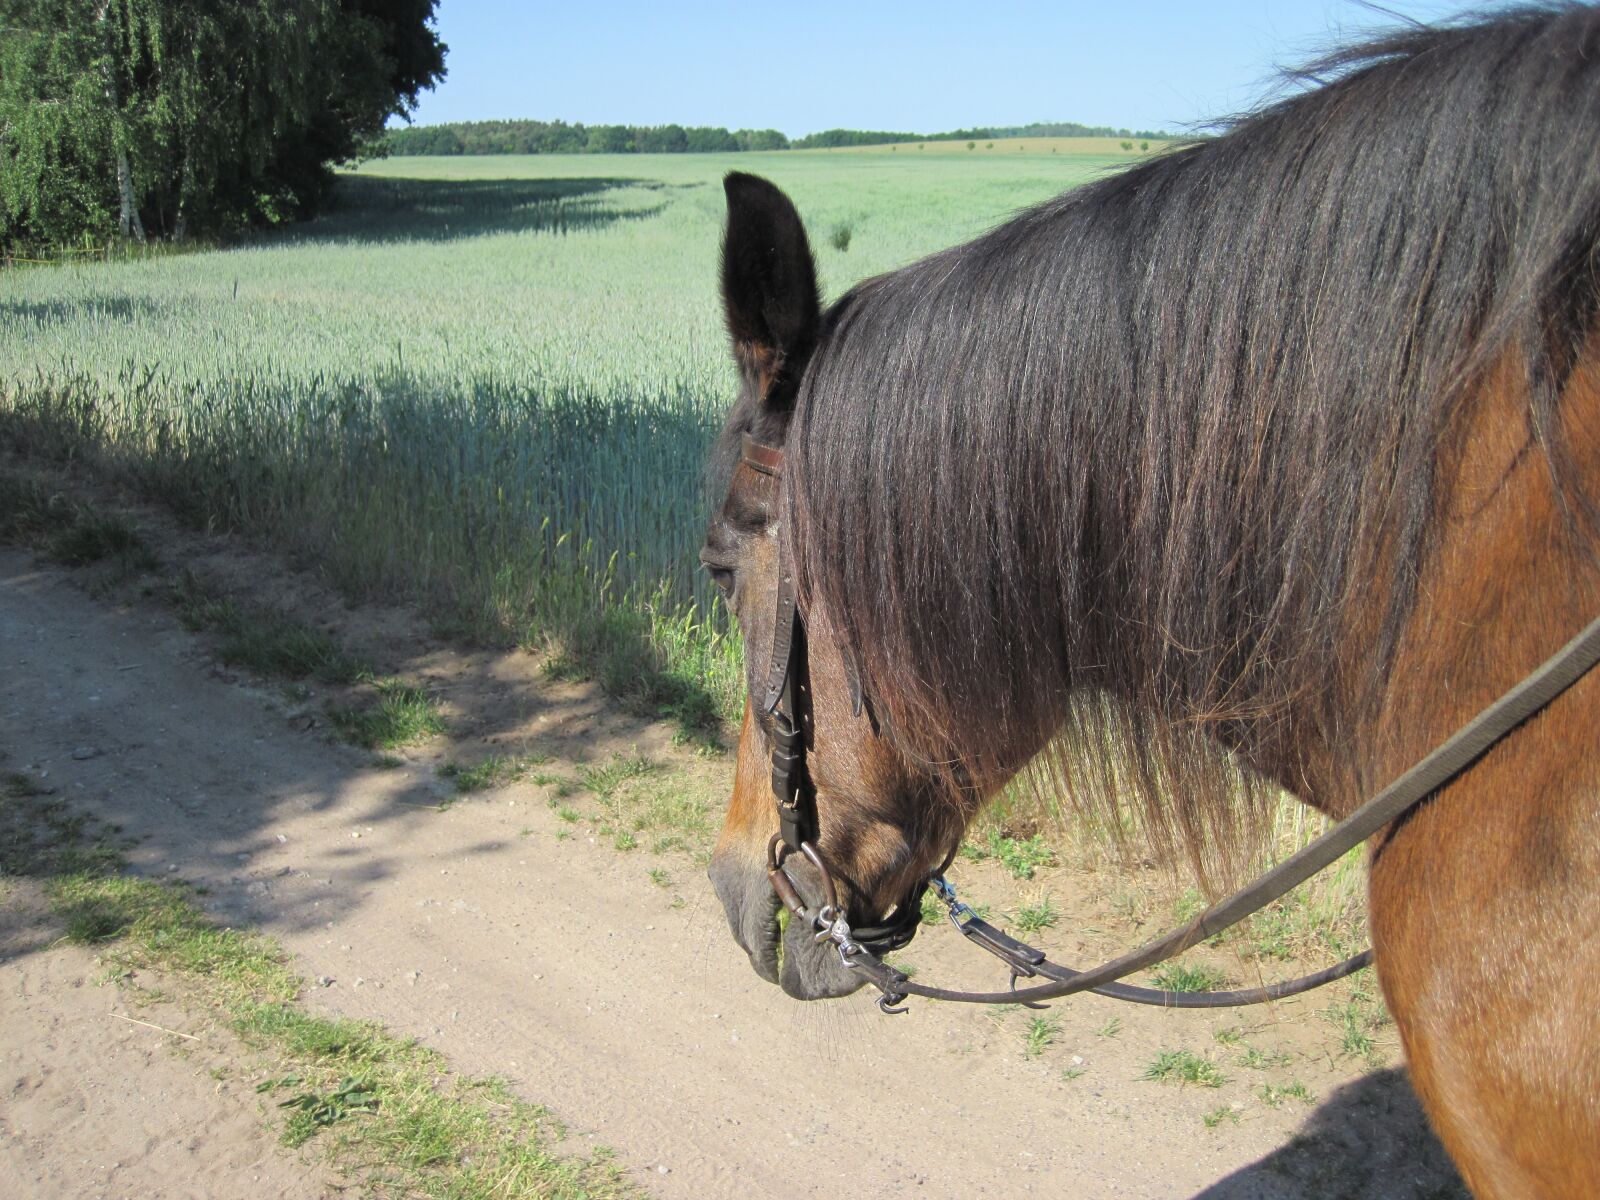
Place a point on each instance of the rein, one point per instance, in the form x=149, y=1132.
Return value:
x=787, y=700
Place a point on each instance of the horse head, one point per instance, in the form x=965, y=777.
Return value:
x=879, y=820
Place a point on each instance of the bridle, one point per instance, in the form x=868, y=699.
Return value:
x=786, y=699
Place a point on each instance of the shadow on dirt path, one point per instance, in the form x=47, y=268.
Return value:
x=1369, y=1140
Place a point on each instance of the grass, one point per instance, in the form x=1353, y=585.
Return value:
x=639, y=804
x=1184, y=1067
x=1040, y=1035
x=1020, y=856
x=496, y=770
x=1357, y=1020
x=1031, y=918
x=71, y=533
x=387, y=1113
x=1181, y=977
x=605, y=778
x=1273, y=1094
x=485, y=386
x=1256, y=1059
x=400, y=715
x=264, y=641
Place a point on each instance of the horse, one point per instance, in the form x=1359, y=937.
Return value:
x=1257, y=467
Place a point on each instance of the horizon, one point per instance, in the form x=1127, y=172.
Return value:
x=724, y=66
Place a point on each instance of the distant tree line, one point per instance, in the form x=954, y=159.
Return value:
x=172, y=118
x=864, y=137
x=559, y=137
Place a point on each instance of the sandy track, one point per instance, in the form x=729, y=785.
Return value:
x=559, y=966
x=95, y=1106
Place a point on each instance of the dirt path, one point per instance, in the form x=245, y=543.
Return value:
x=555, y=962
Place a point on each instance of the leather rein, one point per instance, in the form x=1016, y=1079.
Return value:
x=786, y=699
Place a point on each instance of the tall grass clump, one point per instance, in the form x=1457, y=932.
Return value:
x=559, y=519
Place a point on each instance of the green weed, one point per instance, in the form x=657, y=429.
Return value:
x=311, y=1111
x=1256, y=1059
x=71, y=533
x=1040, y=1035
x=1275, y=1094
x=1357, y=1019
x=1031, y=918
x=1179, y=977
x=1184, y=1066
x=264, y=641
x=401, y=716
x=1020, y=856
x=494, y=771
x=604, y=779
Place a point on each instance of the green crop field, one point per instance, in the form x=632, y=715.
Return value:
x=485, y=384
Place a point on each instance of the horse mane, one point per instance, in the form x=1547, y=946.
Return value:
x=1149, y=469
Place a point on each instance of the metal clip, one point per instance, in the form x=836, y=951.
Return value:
x=1015, y=975
x=831, y=926
x=1019, y=956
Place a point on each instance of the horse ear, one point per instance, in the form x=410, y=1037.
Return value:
x=769, y=286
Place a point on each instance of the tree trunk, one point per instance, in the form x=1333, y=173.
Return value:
x=128, y=218
x=128, y=204
x=180, y=227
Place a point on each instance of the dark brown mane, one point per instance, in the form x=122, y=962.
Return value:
x=1145, y=503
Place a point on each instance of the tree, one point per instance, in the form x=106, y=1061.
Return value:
x=55, y=123
x=609, y=139
x=762, y=139
x=710, y=140
x=184, y=116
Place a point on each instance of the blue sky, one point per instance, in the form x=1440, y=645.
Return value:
x=921, y=67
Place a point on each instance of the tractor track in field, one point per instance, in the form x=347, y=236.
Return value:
x=520, y=944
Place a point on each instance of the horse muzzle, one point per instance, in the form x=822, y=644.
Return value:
x=785, y=953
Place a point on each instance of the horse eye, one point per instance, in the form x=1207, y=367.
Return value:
x=721, y=576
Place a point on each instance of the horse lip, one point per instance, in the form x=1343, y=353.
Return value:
x=764, y=954
x=812, y=970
